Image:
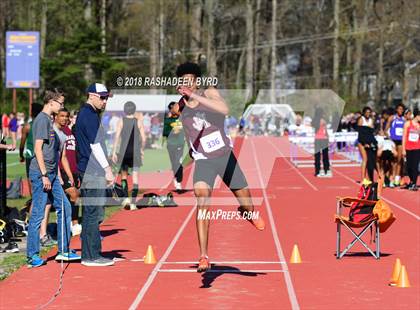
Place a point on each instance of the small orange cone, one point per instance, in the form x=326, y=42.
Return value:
x=295, y=258
x=395, y=272
x=150, y=256
x=403, y=278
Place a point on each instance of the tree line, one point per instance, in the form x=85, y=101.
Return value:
x=363, y=49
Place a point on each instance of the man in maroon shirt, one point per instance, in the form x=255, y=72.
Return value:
x=203, y=115
x=68, y=167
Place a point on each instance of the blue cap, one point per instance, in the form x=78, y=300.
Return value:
x=97, y=88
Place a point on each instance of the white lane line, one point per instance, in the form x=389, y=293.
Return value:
x=387, y=200
x=287, y=278
x=14, y=164
x=338, y=187
x=289, y=187
x=293, y=166
x=121, y=259
x=155, y=270
x=224, y=270
x=215, y=201
x=237, y=262
x=401, y=208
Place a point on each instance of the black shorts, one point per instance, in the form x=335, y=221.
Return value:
x=131, y=162
x=387, y=156
x=66, y=181
x=397, y=142
x=227, y=167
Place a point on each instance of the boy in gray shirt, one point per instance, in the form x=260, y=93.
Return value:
x=46, y=183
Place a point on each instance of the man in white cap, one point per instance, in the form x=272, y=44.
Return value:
x=95, y=172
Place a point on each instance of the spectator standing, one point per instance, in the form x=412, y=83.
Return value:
x=95, y=173
x=46, y=183
x=411, y=149
x=175, y=140
x=321, y=145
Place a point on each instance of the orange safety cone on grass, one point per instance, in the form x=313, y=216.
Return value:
x=395, y=272
x=403, y=278
x=295, y=258
x=150, y=256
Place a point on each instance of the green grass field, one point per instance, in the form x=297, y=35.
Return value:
x=154, y=160
x=13, y=261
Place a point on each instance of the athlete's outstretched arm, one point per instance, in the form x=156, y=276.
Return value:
x=211, y=100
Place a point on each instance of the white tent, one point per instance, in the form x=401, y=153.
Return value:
x=144, y=103
x=263, y=110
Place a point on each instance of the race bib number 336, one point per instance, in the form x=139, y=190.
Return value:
x=212, y=142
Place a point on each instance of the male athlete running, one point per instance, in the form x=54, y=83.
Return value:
x=202, y=116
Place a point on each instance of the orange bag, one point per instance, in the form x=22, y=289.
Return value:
x=385, y=216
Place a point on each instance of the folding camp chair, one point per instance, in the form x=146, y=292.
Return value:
x=341, y=220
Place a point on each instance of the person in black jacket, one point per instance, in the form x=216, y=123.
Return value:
x=367, y=144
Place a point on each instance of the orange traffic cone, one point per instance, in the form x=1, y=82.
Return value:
x=150, y=256
x=395, y=272
x=403, y=278
x=295, y=258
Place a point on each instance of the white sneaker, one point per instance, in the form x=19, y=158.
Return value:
x=76, y=229
x=126, y=203
x=321, y=174
x=99, y=262
x=328, y=174
x=177, y=185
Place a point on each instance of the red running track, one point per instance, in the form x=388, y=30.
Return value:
x=251, y=269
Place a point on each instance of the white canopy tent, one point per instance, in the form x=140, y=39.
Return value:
x=263, y=110
x=144, y=103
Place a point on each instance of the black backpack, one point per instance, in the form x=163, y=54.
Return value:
x=360, y=212
x=155, y=200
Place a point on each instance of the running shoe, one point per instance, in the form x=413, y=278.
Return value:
x=203, y=264
x=258, y=222
x=70, y=256
x=328, y=174
x=22, y=228
x=320, y=175
x=126, y=203
x=406, y=186
x=177, y=185
x=413, y=187
x=47, y=241
x=99, y=262
x=12, y=247
x=35, y=261
x=366, y=182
